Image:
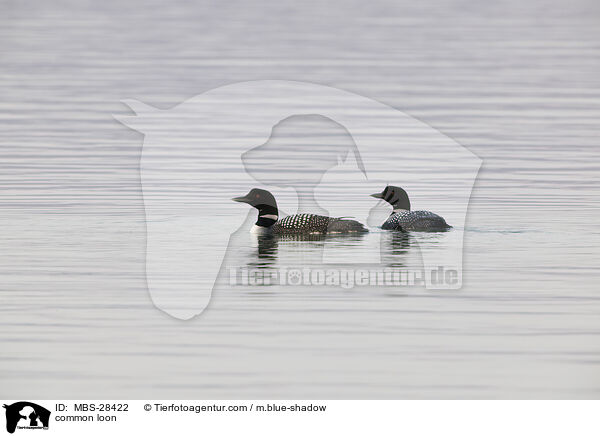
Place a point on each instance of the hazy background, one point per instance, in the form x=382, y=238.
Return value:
x=516, y=82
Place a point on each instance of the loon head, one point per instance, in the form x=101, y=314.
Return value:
x=264, y=202
x=395, y=196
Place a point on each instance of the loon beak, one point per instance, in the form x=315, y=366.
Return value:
x=240, y=199
x=377, y=195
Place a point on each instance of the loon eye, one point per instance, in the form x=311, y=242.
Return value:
x=257, y=195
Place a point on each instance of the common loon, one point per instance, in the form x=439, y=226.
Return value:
x=403, y=219
x=305, y=223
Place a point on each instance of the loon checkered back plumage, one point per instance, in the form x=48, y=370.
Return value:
x=402, y=218
x=416, y=220
x=310, y=223
x=300, y=224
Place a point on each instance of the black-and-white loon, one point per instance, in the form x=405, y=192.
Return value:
x=305, y=223
x=403, y=219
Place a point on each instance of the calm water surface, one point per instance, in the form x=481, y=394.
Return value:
x=515, y=83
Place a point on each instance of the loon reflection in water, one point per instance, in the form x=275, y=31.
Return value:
x=399, y=251
x=306, y=249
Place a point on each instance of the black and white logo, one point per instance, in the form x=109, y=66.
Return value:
x=26, y=415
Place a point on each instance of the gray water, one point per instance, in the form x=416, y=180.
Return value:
x=516, y=83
